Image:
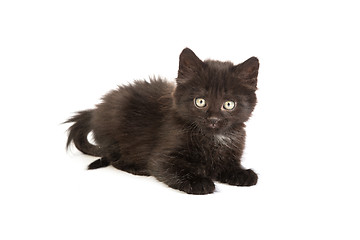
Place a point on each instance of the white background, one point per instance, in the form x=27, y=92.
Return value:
x=58, y=57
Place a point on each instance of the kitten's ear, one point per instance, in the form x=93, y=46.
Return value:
x=189, y=64
x=248, y=72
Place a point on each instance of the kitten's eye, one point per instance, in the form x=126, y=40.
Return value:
x=200, y=102
x=229, y=105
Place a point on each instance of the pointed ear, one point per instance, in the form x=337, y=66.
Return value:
x=248, y=72
x=189, y=64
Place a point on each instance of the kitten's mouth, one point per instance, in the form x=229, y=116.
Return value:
x=213, y=128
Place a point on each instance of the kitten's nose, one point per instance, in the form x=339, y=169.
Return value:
x=213, y=121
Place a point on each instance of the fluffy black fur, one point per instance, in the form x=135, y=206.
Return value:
x=157, y=128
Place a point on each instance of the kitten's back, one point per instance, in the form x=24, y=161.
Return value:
x=132, y=114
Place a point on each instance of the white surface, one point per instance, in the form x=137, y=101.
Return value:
x=58, y=57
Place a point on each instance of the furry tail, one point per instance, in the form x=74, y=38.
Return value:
x=79, y=131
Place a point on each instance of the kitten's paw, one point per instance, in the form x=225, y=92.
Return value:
x=197, y=185
x=240, y=178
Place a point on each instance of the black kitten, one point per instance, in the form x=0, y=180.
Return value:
x=186, y=135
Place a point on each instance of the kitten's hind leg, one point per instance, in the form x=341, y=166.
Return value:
x=101, y=162
x=105, y=160
x=131, y=168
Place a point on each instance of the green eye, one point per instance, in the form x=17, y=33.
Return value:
x=200, y=102
x=229, y=105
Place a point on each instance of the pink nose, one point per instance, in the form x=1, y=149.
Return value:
x=213, y=121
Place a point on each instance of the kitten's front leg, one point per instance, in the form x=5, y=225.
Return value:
x=238, y=176
x=180, y=174
x=193, y=184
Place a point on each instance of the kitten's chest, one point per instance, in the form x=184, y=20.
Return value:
x=214, y=152
x=217, y=148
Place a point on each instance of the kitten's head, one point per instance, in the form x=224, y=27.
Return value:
x=215, y=96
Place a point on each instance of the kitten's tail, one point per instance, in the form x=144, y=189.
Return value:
x=79, y=131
